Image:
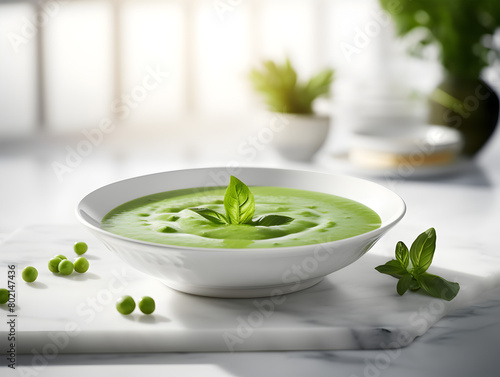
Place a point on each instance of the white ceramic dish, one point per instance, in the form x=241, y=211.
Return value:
x=420, y=146
x=340, y=164
x=409, y=140
x=240, y=272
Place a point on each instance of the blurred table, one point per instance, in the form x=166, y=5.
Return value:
x=464, y=208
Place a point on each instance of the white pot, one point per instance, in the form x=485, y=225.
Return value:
x=300, y=136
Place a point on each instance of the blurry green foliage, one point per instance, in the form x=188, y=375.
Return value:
x=282, y=92
x=462, y=29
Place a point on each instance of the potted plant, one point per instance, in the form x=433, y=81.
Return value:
x=462, y=30
x=304, y=132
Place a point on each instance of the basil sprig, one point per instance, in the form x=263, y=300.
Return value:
x=410, y=268
x=239, y=204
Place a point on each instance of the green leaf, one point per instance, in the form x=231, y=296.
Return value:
x=402, y=254
x=404, y=284
x=271, y=220
x=239, y=202
x=281, y=90
x=393, y=268
x=414, y=286
x=421, y=254
x=320, y=84
x=422, y=250
x=438, y=287
x=211, y=215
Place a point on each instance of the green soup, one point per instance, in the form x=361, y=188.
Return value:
x=165, y=218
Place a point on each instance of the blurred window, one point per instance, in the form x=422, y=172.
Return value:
x=67, y=65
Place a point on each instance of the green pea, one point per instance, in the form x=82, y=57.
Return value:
x=54, y=264
x=30, y=274
x=81, y=265
x=60, y=256
x=65, y=267
x=80, y=247
x=125, y=305
x=4, y=295
x=147, y=305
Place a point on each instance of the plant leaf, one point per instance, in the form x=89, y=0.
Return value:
x=404, y=284
x=320, y=83
x=436, y=286
x=239, y=202
x=402, y=254
x=414, y=285
x=213, y=216
x=421, y=254
x=282, y=92
x=271, y=220
x=393, y=268
x=422, y=250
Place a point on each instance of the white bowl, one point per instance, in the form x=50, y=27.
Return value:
x=240, y=272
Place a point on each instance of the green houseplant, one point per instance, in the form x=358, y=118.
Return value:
x=304, y=132
x=462, y=30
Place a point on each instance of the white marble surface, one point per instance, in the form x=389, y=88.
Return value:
x=464, y=209
x=354, y=308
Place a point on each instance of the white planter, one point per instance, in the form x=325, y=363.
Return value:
x=300, y=136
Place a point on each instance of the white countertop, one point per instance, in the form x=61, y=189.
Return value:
x=464, y=209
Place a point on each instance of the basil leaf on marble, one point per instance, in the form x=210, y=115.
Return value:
x=422, y=250
x=393, y=268
x=271, y=220
x=436, y=286
x=239, y=202
x=402, y=254
x=415, y=277
x=404, y=284
x=414, y=285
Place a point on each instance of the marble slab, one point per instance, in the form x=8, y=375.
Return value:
x=354, y=308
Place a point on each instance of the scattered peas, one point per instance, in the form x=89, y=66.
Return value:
x=54, y=264
x=4, y=295
x=125, y=305
x=58, y=263
x=81, y=265
x=30, y=274
x=147, y=305
x=65, y=267
x=80, y=247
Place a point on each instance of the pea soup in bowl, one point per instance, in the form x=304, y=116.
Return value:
x=246, y=232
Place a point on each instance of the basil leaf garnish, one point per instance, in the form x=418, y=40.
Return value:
x=239, y=202
x=271, y=220
x=210, y=214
